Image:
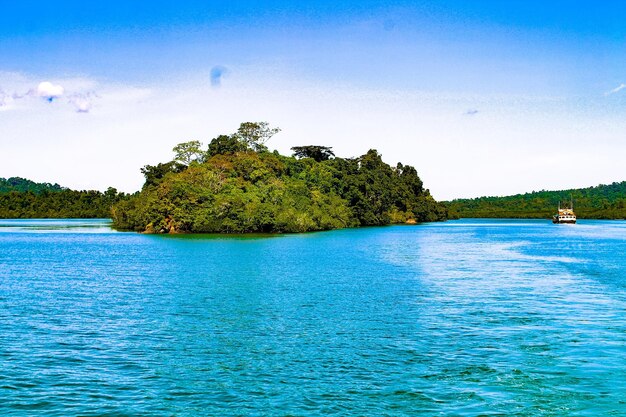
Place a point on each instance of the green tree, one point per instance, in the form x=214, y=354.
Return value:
x=188, y=152
x=318, y=153
x=255, y=134
x=224, y=145
x=155, y=173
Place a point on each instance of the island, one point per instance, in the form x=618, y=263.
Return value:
x=236, y=185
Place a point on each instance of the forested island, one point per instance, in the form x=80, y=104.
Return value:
x=236, y=185
x=599, y=202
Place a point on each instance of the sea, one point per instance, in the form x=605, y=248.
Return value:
x=460, y=318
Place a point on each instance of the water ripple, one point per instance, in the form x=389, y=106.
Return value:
x=461, y=318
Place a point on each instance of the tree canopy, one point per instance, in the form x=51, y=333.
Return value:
x=188, y=152
x=22, y=185
x=224, y=145
x=41, y=201
x=316, y=152
x=255, y=134
x=155, y=173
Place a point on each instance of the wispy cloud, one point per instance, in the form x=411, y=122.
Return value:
x=50, y=92
x=616, y=89
x=82, y=102
x=5, y=100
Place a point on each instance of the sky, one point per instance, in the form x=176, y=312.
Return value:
x=483, y=97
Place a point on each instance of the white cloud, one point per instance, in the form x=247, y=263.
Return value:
x=49, y=91
x=616, y=89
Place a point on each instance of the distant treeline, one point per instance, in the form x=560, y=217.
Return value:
x=23, y=185
x=236, y=185
x=600, y=202
x=22, y=199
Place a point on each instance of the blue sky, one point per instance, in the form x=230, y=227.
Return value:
x=471, y=93
x=373, y=42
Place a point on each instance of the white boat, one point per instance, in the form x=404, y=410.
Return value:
x=565, y=215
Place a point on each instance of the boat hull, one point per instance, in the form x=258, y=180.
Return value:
x=564, y=221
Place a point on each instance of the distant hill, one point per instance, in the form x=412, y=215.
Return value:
x=22, y=184
x=599, y=202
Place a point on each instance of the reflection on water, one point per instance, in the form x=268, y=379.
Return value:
x=55, y=225
x=472, y=317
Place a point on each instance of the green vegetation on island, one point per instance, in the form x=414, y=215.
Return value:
x=599, y=202
x=237, y=186
x=24, y=199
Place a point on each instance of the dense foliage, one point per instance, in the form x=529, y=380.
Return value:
x=22, y=198
x=600, y=202
x=22, y=185
x=237, y=186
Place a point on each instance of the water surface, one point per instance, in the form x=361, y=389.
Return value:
x=472, y=317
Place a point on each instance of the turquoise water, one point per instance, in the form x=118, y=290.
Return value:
x=465, y=318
